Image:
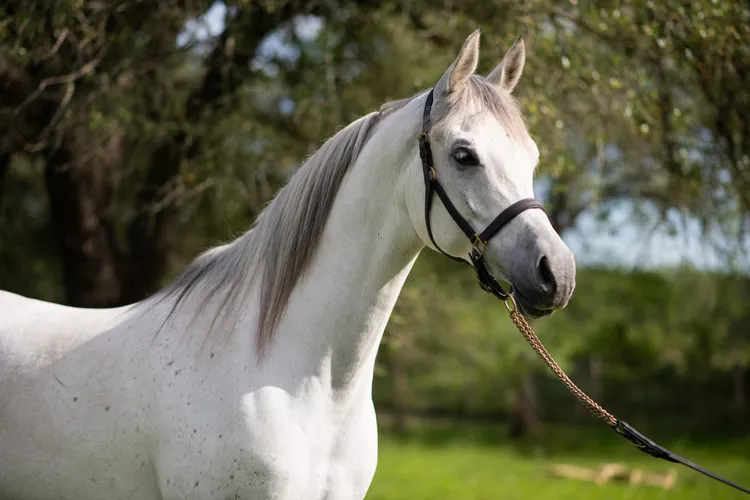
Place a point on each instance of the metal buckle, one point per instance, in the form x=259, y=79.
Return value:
x=475, y=245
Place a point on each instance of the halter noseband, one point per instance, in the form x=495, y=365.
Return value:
x=478, y=240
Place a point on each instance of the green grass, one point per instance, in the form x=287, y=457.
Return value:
x=479, y=465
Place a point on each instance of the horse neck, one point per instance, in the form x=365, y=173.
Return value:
x=336, y=315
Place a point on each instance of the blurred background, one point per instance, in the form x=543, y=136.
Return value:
x=135, y=134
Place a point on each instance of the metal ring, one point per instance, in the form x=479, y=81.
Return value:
x=510, y=299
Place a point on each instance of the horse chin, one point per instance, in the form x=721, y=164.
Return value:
x=527, y=309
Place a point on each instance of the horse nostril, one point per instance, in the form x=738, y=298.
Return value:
x=546, y=278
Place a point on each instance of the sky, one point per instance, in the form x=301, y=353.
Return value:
x=621, y=240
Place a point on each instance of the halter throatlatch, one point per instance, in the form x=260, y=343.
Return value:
x=492, y=286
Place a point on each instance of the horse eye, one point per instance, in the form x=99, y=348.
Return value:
x=464, y=156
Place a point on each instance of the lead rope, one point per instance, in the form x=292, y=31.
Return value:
x=536, y=344
x=643, y=443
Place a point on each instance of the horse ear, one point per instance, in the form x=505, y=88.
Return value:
x=462, y=68
x=508, y=72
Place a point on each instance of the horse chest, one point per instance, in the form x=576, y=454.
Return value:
x=273, y=445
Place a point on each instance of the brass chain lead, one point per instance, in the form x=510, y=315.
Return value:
x=536, y=344
x=631, y=434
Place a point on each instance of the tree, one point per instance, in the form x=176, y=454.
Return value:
x=626, y=101
x=116, y=112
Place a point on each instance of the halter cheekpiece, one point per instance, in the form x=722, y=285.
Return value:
x=478, y=240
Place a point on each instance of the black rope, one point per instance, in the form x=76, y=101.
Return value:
x=646, y=445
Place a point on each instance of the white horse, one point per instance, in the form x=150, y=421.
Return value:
x=250, y=376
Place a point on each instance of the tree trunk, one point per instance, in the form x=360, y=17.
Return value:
x=738, y=385
x=595, y=377
x=524, y=417
x=77, y=182
x=563, y=210
x=148, y=233
x=400, y=394
x=4, y=165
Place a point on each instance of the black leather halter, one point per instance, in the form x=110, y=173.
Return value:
x=478, y=240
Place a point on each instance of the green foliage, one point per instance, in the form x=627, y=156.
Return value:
x=668, y=341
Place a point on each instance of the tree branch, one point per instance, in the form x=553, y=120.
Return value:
x=56, y=47
x=84, y=70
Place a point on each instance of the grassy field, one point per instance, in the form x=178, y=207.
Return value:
x=478, y=466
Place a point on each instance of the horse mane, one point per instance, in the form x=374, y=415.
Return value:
x=278, y=249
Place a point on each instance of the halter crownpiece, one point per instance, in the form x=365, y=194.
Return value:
x=478, y=240
x=490, y=285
